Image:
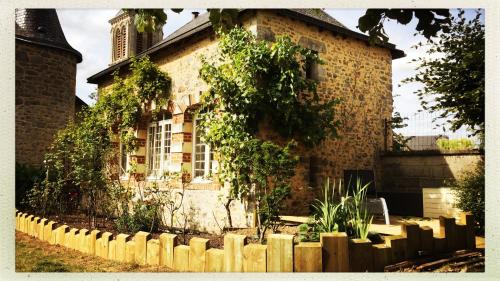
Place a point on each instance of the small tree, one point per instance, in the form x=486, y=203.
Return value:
x=255, y=84
x=452, y=74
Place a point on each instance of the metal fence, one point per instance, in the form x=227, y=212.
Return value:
x=423, y=129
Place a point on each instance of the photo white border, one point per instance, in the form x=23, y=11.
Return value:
x=7, y=124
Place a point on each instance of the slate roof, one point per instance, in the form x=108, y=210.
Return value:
x=42, y=27
x=312, y=16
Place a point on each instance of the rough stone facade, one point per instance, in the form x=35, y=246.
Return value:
x=45, y=98
x=361, y=76
x=357, y=73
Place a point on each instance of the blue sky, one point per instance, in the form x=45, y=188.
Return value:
x=92, y=39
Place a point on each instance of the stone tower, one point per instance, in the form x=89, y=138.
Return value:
x=126, y=41
x=45, y=82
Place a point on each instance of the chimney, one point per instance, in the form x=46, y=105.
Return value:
x=195, y=14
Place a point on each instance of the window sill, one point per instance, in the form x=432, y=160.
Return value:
x=200, y=180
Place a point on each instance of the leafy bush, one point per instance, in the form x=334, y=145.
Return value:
x=469, y=191
x=26, y=177
x=455, y=144
x=143, y=218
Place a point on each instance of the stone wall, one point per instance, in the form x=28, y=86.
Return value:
x=361, y=76
x=204, y=210
x=405, y=174
x=45, y=98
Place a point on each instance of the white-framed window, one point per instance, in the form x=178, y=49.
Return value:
x=202, y=155
x=123, y=160
x=159, y=141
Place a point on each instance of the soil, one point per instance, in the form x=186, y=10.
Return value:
x=80, y=221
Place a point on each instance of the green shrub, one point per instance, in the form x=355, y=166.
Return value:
x=455, y=144
x=143, y=218
x=469, y=191
x=26, y=177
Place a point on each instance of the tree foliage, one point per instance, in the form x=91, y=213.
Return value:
x=399, y=141
x=151, y=19
x=430, y=21
x=452, y=73
x=82, y=154
x=470, y=192
x=253, y=85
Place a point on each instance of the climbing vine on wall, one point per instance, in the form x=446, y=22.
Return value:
x=147, y=89
x=82, y=154
x=256, y=84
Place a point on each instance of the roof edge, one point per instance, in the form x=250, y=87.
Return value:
x=77, y=54
x=395, y=53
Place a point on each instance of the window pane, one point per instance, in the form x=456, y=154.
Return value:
x=157, y=149
x=151, y=134
x=123, y=160
x=167, y=139
x=202, y=156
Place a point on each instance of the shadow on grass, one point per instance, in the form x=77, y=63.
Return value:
x=50, y=266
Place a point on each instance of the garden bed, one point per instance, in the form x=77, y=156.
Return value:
x=80, y=221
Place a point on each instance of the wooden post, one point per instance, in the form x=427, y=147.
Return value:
x=214, y=260
x=411, y=231
x=181, y=258
x=360, y=255
x=70, y=239
x=447, y=230
x=167, y=244
x=130, y=251
x=34, y=227
x=121, y=239
x=439, y=244
x=29, y=228
x=18, y=216
x=26, y=223
x=460, y=236
x=153, y=252
x=307, y=257
x=92, y=241
x=398, y=247
x=254, y=258
x=47, y=231
x=141, y=239
x=335, y=251
x=22, y=222
x=279, y=253
x=470, y=233
x=381, y=257
x=104, y=245
x=197, y=250
x=81, y=242
x=426, y=240
x=112, y=250
x=233, y=252
x=60, y=234
x=41, y=227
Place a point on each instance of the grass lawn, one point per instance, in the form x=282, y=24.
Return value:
x=33, y=255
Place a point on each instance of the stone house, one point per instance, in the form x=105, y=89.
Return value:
x=354, y=70
x=45, y=82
